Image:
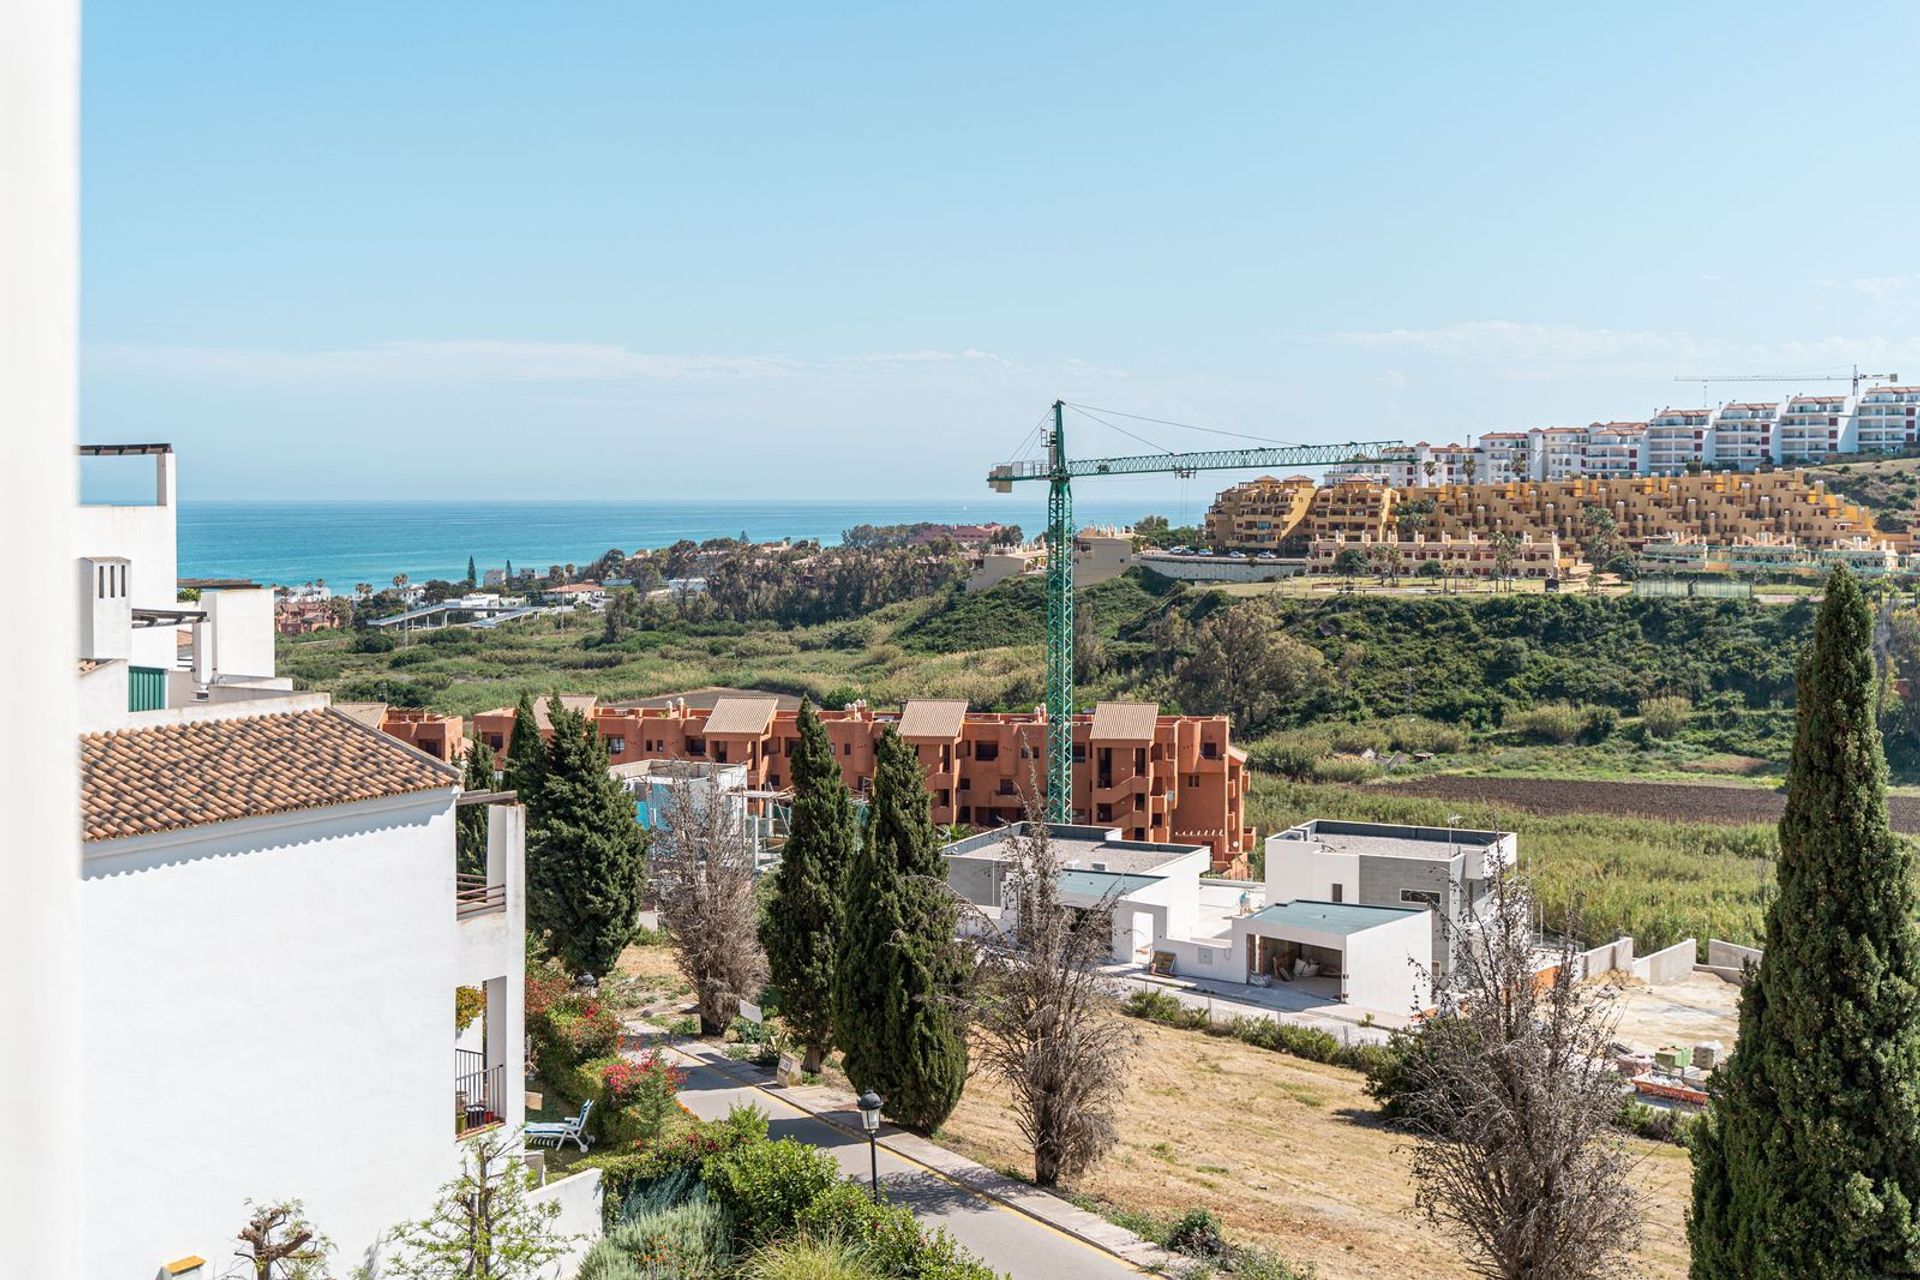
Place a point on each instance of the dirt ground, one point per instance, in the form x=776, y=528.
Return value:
x=1288, y=1154
x=652, y=970
x=1699, y=1007
x=1673, y=801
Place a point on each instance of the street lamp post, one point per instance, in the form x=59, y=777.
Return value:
x=870, y=1104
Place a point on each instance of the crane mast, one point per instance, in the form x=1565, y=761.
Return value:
x=1058, y=471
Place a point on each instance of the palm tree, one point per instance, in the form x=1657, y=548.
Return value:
x=399, y=582
x=363, y=589
x=1430, y=467
x=1469, y=466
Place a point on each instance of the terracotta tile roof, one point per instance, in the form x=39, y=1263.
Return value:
x=741, y=715
x=1124, y=721
x=174, y=776
x=933, y=717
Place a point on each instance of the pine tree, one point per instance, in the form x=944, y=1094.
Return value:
x=1809, y=1164
x=471, y=819
x=802, y=925
x=898, y=972
x=472, y=575
x=586, y=855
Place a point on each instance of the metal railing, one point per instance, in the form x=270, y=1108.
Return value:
x=473, y=895
x=479, y=1092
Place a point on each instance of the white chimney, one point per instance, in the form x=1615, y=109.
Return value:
x=106, y=610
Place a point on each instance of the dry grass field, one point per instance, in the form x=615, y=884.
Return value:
x=1288, y=1154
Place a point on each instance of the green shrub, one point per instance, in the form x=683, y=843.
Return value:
x=1417, y=733
x=1601, y=722
x=1252, y=1263
x=605, y=1261
x=1197, y=1234
x=1309, y=1043
x=1657, y=1124
x=1343, y=769
x=1289, y=759
x=660, y=1175
x=764, y=1186
x=691, y=1241
x=1666, y=716
x=371, y=641
x=887, y=1237
x=1556, y=722
x=804, y=1258
x=1352, y=739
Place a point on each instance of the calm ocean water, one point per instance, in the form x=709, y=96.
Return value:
x=347, y=542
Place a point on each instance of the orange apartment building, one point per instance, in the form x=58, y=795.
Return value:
x=441, y=736
x=1155, y=777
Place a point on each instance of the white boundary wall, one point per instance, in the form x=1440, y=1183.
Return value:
x=1617, y=954
x=579, y=1199
x=1668, y=965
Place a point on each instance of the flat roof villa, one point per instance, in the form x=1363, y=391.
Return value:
x=1354, y=912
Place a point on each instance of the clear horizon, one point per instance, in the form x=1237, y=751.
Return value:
x=435, y=251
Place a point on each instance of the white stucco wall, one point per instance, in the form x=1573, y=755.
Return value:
x=240, y=629
x=1380, y=965
x=578, y=1196
x=1307, y=869
x=39, y=868
x=145, y=536
x=267, y=1013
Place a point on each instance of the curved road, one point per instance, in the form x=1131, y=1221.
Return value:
x=1009, y=1241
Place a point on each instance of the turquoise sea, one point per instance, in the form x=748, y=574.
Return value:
x=342, y=543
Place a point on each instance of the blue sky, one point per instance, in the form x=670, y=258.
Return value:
x=750, y=250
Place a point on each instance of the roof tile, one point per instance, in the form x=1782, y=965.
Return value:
x=171, y=777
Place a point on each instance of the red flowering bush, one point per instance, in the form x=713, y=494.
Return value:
x=643, y=1091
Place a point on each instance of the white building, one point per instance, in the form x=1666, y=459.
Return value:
x=1743, y=434
x=1811, y=427
x=1678, y=439
x=1350, y=912
x=141, y=647
x=1614, y=448
x=1887, y=419
x=273, y=934
x=273, y=930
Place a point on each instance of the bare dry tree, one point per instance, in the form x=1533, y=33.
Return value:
x=1045, y=1016
x=278, y=1243
x=1512, y=1088
x=701, y=862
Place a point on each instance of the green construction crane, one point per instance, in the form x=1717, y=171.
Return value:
x=1059, y=472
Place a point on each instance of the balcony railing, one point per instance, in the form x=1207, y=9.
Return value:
x=473, y=896
x=479, y=1092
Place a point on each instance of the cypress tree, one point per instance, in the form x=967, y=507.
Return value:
x=898, y=971
x=801, y=928
x=1809, y=1162
x=471, y=819
x=526, y=770
x=472, y=576
x=586, y=854
x=509, y=572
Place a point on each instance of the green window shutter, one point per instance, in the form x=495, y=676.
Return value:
x=146, y=689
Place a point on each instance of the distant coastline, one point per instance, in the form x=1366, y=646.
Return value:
x=345, y=542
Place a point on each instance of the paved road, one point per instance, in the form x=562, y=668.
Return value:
x=1008, y=1241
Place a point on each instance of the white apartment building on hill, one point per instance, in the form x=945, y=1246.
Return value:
x=1740, y=436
